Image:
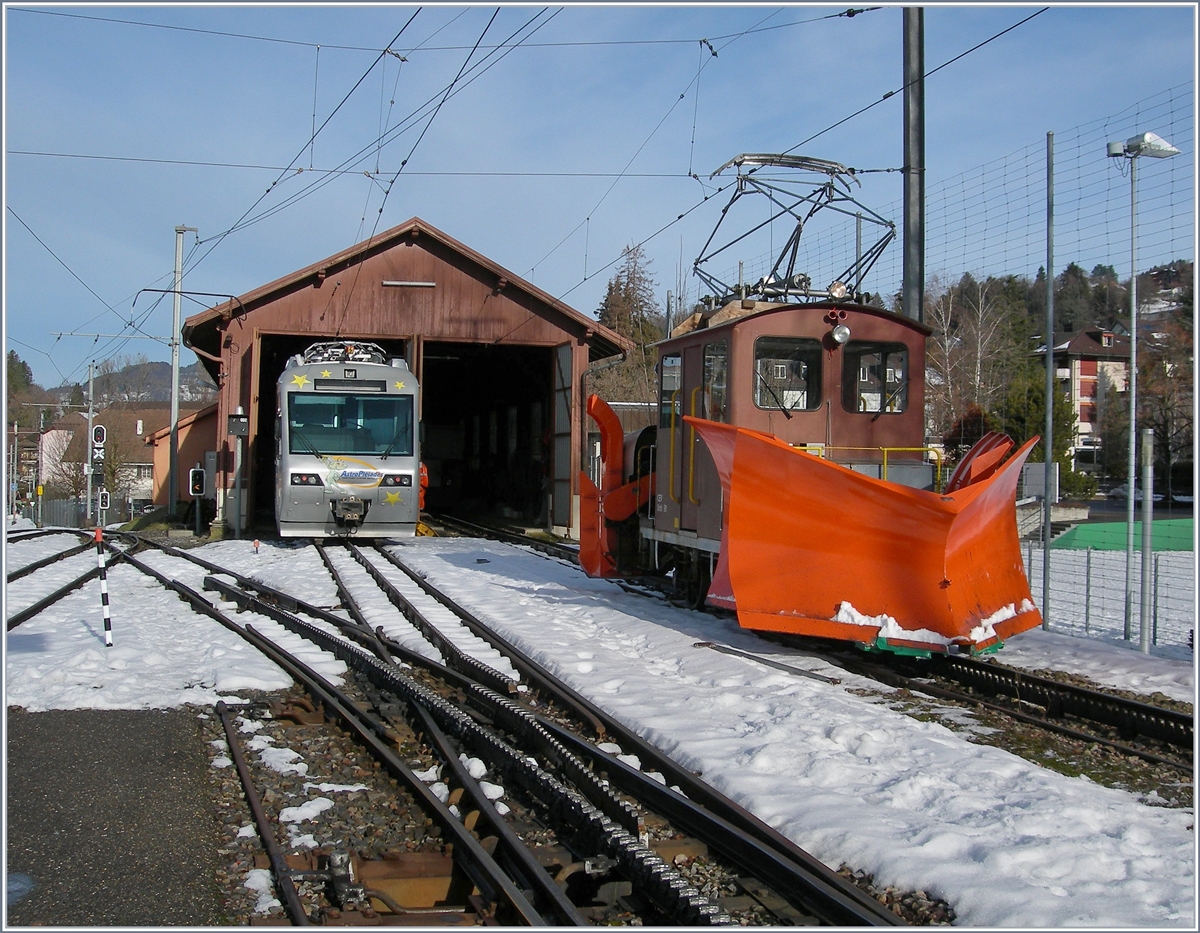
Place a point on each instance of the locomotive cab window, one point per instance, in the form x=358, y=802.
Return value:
x=670, y=381
x=875, y=377
x=351, y=424
x=787, y=373
x=716, y=373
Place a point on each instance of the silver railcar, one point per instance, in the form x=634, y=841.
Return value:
x=347, y=455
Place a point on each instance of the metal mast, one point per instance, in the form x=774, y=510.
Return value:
x=914, y=163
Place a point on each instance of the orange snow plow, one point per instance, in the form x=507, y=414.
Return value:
x=813, y=548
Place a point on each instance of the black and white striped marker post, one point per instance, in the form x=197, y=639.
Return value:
x=103, y=588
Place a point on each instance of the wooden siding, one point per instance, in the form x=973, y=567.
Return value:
x=471, y=301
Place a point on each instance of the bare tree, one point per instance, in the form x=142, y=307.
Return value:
x=977, y=346
x=943, y=359
x=62, y=467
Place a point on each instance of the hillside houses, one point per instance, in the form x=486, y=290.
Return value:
x=128, y=464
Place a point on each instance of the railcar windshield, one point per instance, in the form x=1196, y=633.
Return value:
x=336, y=423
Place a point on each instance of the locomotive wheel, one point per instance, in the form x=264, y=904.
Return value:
x=694, y=585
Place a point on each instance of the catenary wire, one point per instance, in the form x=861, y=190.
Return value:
x=849, y=13
x=404, y=162
x=646, y=141
x=221, y=236
x=408, y=123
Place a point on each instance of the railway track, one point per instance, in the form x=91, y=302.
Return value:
x=462, y=526
x=608, y=843
x=1150, y=732
x=814, y=892
x=465, y=678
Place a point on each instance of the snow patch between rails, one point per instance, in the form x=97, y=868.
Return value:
x=259, y=881
x=308, y=810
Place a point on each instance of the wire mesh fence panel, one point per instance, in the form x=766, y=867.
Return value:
x=991, y=220
x=1087, y=594
x=65, y=513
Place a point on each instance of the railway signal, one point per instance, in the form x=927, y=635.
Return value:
x=105, y=500
x=196, y=482
x=99, y=435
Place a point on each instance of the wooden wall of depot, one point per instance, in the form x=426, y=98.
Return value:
x=446, y=293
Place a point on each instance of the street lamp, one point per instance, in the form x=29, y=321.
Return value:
x=1154, y=146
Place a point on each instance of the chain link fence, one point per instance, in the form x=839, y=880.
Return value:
x=1087, y=594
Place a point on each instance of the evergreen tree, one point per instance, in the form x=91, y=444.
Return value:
x=20, y=376
x=630, y=308
x=1072, y=299
x=967, y=431
x=1022, y=414
x=21, y=389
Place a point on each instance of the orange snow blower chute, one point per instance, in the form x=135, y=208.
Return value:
x=611, y=502
x=813, y=548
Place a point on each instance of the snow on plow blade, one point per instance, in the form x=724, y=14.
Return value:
x=812, y=548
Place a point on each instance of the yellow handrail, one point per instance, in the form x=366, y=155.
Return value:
x=692, y=456
x=671, y=485
x=934, y=452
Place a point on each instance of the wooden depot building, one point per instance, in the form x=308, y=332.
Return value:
x=502, y=367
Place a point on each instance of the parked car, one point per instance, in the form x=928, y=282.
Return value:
x=1122, y=492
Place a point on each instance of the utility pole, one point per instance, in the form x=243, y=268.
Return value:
x=11, y=469
x=173, y=471
x=87, y=461
x=914, y=163
x=1048, y=440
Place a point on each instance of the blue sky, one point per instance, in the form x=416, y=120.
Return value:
x=524, y=163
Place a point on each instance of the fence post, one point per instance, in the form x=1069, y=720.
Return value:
x=1087, y=595
x=1154, y=637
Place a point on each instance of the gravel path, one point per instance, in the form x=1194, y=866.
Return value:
x=108, y=817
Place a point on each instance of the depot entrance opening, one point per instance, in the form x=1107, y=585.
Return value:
x=487, y=441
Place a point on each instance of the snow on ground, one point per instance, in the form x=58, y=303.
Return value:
x=20, y=554
x=164, y=654
x=1110, y=661
x=1005, y=842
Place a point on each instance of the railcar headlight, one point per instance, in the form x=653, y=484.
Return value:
x=397, y=479
x=838, y=291
x=840, y=334
x=306, y=479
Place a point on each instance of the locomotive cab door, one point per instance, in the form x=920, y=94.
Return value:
x=705, y=374
x=670, y=443
x=691, y=449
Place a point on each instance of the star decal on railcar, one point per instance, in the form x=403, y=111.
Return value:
x=300, y=380
x=325, y=374
x=391, y=498
x=398, y=384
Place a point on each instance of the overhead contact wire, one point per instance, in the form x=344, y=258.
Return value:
x=393, y=133
x=404, y=161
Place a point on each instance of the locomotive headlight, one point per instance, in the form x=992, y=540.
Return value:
x=397, y=479
x=840, y=334
x=306, y=479
x=838, y=291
